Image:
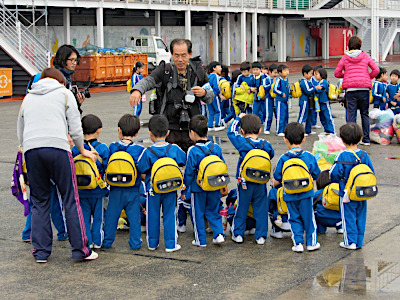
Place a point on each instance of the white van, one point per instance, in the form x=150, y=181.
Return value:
x=154, y=47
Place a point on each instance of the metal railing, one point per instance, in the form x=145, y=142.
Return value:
x=22, y=39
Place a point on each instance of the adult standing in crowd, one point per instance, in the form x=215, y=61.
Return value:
x=353, y=68
x=48, y=114
x=180, y=88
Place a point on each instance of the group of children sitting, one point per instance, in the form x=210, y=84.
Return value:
x=383, y=92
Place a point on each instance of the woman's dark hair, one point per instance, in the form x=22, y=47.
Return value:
x=323, y=73
x=180, y=42
x=55, y=74
x=129, y=125
x=351, y=133
x=225, y=72
x=235, y=75
x=158, y=125
x=294, y=133
x=355, y=43
x=65, y=51
x=138, y=65
x=251, y=124
x=199, y=124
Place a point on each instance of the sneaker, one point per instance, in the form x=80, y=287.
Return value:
x=152, y=249
x=198, y=245
x=312, y=132
x=277, y=234
x=298, y=248
x=246, y=232
x=352, y=246
x=219, y=128
x=177, y=247
x=238, y=239
x=92, y=256
x=278, y=222
x=41, y=261
x=91, y=246
x=181, y=229
x=365, y=143
x=285, y=226
x=252, y=231
x=63, y=237
x=312, y=248
x=210, y=129
x=340, y=231
x=96, y=246
x=267, y=132
x=306, y=134
x=209, y=230
x=142, y=228
x=28, y=240
x=260, y=241
x=281, y=134
x=316, y=126
x=219, y=240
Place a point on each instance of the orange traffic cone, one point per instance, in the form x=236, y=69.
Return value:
x=379, y=57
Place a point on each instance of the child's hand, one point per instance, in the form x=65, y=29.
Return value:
x=241, y=115
x=275, y=182
x=319, y=87
x=222, y=97
x=384, y=99
x=248, y=91
x=284, y=95
x=90, y=154
x=253, y=89
x=393, y=103
x=243, y=88
x=183, y=197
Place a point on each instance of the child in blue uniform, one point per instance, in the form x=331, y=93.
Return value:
x=314, y=113
x=214, y=108
x=92, y=200
x=279, y=221
x=245, y=76
x=322, y=89
x=269, y=79
x=137, y=71
x=282, y=89
x=392, y=88
x=379, y=89
x=306, y=99
x=326, y=217
x=249, y=192
x=354, y=213
x=158, y=130
x=228, y=112
x=127, y=198
x=258, y=104
x=300, y=205
x=205, y=204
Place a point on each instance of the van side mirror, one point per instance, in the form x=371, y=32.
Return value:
x=166, y=49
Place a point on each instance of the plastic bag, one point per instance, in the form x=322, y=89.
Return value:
x=321, y=148
x=396, y=126
x=382, y=136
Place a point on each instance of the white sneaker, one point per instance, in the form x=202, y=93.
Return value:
x=316, y=126
x=277, y=234
x=246, y=232
x=218, y=128
x=198, y=245
x=219, y=240
x=306, y=134
x=96, y=246
x=152, y=249
x=312, y=248
x=181, y=229
x=340, y=231
x=260, y=241
x=91, y=246
x=298, y=248
x=252, y=231
x=365, y=144
x=41, y=261
x=285, y=226
x=267, y=132
x=352, y=246
x=281, y=134
x=210, y=129
x=142, y=228
x=177, y=247
x=238, y=239
x=92, y=256
x=312, y=132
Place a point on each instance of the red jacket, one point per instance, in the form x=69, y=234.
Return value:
x=353, y=68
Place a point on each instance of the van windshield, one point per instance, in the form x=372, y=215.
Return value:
x=160, y=44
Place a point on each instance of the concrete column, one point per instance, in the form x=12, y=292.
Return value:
x=375, y=31
x=325, y=39
x=100, y=27
x=188, y=24
x=67, y=25
x=254, y=27
x=281, y=39
x=215, y=36
x=226, y=58
x=243, y=50
x=158, y=23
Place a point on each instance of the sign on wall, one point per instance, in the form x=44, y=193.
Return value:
x=5, y=82
x=339, y=39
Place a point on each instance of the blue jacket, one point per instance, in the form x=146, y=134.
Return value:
x=243, y=146
x=314, y=81
x=250, y=80
x=267, y=82
x=311, y=164
x=307, y=89
x=323, y=93
x=379, y=90
x=213, y=79
x=392, y=90
x=340, y=172
x=282, y=87
x=136, y=78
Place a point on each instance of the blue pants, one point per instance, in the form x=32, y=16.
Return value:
x=182, y=215
x=56, y=214
x=57, y=164
x=94, y=229
x=214, y=113
x=314, y=117
x=259, y=109
x=256, y=194
x=359, y=100
x=301, y=217
x=229, y=111
x=282, y=116
x=206, y=204
x=305, y=115
x=325, y=115
x=354, y=218
x=129, y=200
x=327, y=218
x=168, y=203
x=137, y=110
x=269, y=113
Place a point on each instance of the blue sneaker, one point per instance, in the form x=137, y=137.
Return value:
x=62, y=237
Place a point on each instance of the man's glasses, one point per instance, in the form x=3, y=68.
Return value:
x=73, y=60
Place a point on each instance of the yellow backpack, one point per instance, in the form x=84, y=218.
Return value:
x=282, y=206
x=166, y=176
x=361, y=184
x=296, y=90
x=256, y=165
x=87, y=173
x=330, y=197
x=332, y=92
x=296, y=177
x=213, y=172
x=129, y=85
x=121, y=169
x=271, y=91
x=225, y=87
x=261, y=92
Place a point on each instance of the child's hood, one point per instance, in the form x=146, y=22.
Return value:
x=354, y=55
x=45, y=86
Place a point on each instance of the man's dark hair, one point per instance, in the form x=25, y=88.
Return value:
x=158, y=125
x=245, y=66
x=129, y=125
x=256, y=64
x=323, y=73
x=381, y=72
x=395, y=72
x=65, y=51
x=306, y=68
x=212, y=65
x=91, y=123
x=180, y=42
x=251, y=124
x=235, y=75
x=355, y=43
x=273, y=67
x=199, y=124
x=351, y=133
x=294, y=133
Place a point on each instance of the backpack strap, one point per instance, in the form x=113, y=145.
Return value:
x=97, y=155
x=160, y=156
x=260, y=145
x=123, y=149
x=208, y=151
x=344, y=162
x=164, y=85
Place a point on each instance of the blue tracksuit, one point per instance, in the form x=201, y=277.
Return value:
x=379, y=92
x=249, y=192
x=273, y=210
x=325, y=217
x=137, y=110
x=305, y=113
x=127, y=198
x=354, y=213
x=214, y=108
x=392, y=89
x=269, y=103
x=155, y=200
x=92, y=200
x=282, y=113
x=315, y=82
x=259, y=104
x=300, y=205
x=204, y=203
x=325, y=115
x=228, y=112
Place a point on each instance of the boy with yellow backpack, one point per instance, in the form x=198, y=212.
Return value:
x=124, y=181
x=253, y=172
x=161, y=163
x=296, y=171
